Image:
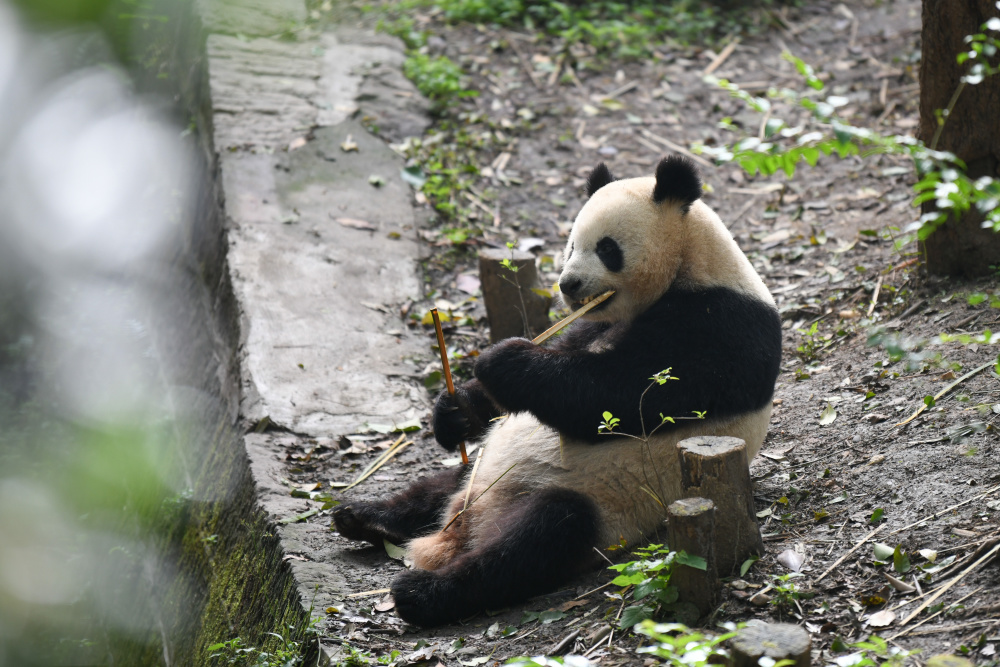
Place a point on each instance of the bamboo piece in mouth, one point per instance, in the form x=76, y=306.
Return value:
x=558, y=326
x=447, y=371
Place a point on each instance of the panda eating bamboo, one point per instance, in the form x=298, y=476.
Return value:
x=551, y=490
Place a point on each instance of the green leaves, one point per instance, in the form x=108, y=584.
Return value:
x=609, y=423
x=438, y=79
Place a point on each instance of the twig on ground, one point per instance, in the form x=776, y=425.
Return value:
x=944, y=391
x=564, y=643
x=963, y=322
x=953, y=628
x=599, y=588
x=941, y=591
x=878, y=288
x=848, y=554
x=394, y=449
x=677, y=147
x=934, y=615
x=368, y=594
x=525, y=64
x=946, y=510
x=722, y=57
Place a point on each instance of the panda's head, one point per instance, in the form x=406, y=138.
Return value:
x=629, y=237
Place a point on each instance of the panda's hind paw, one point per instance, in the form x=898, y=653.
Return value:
x=422, y=598
x=350, y=522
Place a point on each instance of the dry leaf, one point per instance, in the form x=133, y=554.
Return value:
x=791, y=559
x=468, y=284
x=349, y=144
x=882, y=618
x=901, y=586
x=828, y=415
x=385, y=604
x=572, y=603
x=296, y=143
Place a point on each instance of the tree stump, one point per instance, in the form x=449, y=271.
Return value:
x=959, y=247
x=691, y=528
x=513, y=307
x=778, y=641
x=717, y=468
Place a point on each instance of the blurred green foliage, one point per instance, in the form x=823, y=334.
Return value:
x=626, y=29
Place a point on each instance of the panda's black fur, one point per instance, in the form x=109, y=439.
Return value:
x=715, y=328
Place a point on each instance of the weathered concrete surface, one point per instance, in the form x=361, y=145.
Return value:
x=321, y=260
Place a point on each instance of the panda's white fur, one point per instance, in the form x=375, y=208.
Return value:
x=544, y=467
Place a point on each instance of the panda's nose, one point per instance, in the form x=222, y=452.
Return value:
x=570, y=286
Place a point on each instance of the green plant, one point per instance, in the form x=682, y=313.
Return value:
x=286, y=652
x=676, y=644
x=781, y=147
x=647, y=580
x=627, y=29
x=609, y=422
x=438, y=79
x=872, y=652
x=810, y=343
x=786, y=593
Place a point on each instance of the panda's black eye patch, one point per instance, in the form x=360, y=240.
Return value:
x=610, y=254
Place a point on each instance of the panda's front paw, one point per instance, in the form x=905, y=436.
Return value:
x=450, y=423
x=505, y=367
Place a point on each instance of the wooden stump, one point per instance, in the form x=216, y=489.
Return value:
x=717, y=468
x=691, y=528
x=778, y=641
x=509, y=312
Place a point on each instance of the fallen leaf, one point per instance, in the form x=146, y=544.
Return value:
x=882, y=618
x=928, y=554
x=573, y=603
x=468, y=284
x=385, y=604
x=376, y=180
x=828, y=415
x=296, y=143
x=883, y=552
x=878, y=458
x=391, y=550
x=901, y=586
x=481, y=660
x=791, y=559
x=356, y=224
x=964, y=533
x=349, y=144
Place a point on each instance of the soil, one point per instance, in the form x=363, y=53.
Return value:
x=817, y=483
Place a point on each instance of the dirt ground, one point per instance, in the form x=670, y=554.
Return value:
x=817, y=484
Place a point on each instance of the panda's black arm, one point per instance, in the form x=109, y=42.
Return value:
x=725, y=349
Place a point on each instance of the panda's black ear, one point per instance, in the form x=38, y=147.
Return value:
x=598, y=178
x=677, y=179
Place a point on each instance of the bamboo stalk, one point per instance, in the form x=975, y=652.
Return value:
x=558, y=326
x=447, y=371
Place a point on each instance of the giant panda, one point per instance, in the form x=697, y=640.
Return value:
x=551, y=491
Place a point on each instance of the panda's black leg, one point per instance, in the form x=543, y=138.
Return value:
x=544, y=540
x=414, y=512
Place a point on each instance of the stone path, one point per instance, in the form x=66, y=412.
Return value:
x=323, y=350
